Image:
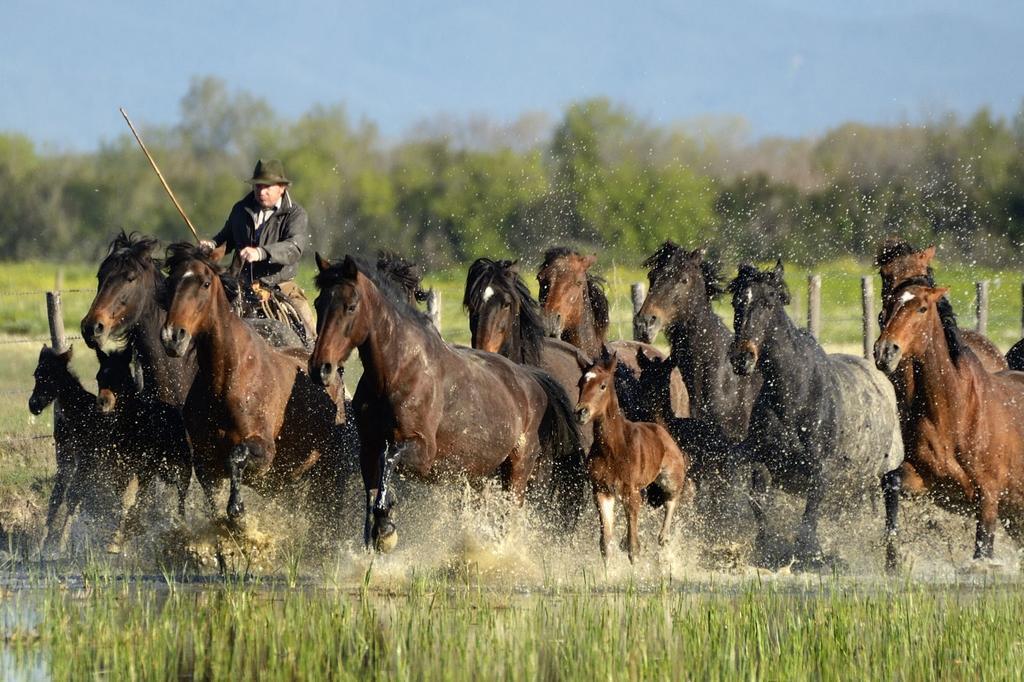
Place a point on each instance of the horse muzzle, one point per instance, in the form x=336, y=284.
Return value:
x=743, y=358
x=175, y=341
x=324, y=374
x=647, y=327
x=99, y=336
x=106, y=400
x=582, y=415
x=36, y=404
x=553, y=324
x=887, y=355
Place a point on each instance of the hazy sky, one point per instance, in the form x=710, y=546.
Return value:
x=788, y=67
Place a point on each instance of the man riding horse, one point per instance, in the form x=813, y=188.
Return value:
x=269, y=231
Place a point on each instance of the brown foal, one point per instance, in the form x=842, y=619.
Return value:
x=628, y=459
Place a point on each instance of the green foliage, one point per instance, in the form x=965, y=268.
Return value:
x=603, y=179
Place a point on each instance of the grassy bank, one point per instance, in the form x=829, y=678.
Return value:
x=436, y=630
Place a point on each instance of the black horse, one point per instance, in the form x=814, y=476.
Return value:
x=822, y=424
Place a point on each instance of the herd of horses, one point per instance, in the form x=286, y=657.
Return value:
x=543, y=402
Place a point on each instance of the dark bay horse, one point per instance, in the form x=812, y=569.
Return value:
x=628, y=460
x=963, y=426
x=683, y=285
x=504, y=318
x=575, y=309
x=79, y=436
x=437, y=409
x=822, y=424
x=251, y=413
x=899, y=262
x=125, y=317
x=149, y=435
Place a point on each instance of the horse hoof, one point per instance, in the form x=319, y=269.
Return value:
x=236, y=510
x=387, y=540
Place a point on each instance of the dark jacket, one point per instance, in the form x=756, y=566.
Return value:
x=283, y=238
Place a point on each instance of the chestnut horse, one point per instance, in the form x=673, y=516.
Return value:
x=575, y=309
x=251, y=413
x=899, y=262
x=433, y=408
x=963, y=426
x=628, y=460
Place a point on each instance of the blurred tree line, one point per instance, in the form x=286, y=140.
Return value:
x=599, y=178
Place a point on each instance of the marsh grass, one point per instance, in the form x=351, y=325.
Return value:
x=438, y=629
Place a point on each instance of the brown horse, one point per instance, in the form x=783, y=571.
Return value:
x=575, y=309
x=963, y=426
x=899, y=262
x=430, y=407
x=628, y=459
x=505, y=319
x=252, y=415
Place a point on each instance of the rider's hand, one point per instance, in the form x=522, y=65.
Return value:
x=251, y=254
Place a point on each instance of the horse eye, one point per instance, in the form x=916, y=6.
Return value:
x=923, y=309
x=351, y=308
x=604, y=386
x=206, y=284
x=130, y=277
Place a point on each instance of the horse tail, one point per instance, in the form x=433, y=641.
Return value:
x=560, y=444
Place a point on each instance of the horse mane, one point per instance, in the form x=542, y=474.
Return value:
x=595, y=287
x=662, y=260
x=130, y=251
x=894, y=248
x=403, y=272
x=389, y=288
x=484, y=273
x=749, y=275
x=181, y=252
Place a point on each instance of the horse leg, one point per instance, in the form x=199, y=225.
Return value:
x=759, y=480
x=808, y=549
x=633, y=503
x=57, y=510
x=250, y=453
x=891, y=484
x=988, y=516
x=605, y=503
x=666, y=525
x=383, y=531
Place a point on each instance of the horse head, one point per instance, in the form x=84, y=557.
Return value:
x=51, y=369
x=915, y=324
x=342, y=317
x=597, y=387
x=567, y=288
x=194, y=295
x=128, y=281
x=757, y=297
x=680, y=281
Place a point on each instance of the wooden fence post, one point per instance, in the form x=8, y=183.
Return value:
x=1022, y=309
x=981, y=306
x=434, y=307
x=867, y=293
x=637, y=291
x=58, y=340
x=814, y=305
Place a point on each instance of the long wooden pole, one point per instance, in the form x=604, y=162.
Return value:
x=160, y=175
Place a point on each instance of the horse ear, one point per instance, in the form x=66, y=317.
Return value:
x=218, y=253
x=513, y=267
x=779, y=270
x=589, y=260
x=643, y=360
x=698, y=254
x=927, y=255
x=583, y=362
x=322, y=263
x=937, y=293
x=613, y=361
x=349, y=269
x=65, y=357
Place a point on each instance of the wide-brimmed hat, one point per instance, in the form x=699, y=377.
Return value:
x=269, y=172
